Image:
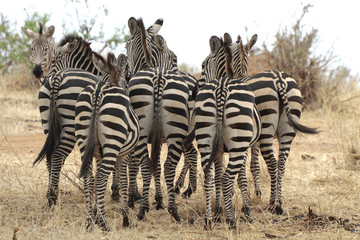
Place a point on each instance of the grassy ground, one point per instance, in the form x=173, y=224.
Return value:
x=321, y=187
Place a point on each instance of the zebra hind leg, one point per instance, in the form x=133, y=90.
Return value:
x=255, y=168
x=169, y=169
x=181, y=179
x=218, y=187
x=115, y=186
x=191, y=159
x=158, y=194
x=242, y=182
x=124, y=187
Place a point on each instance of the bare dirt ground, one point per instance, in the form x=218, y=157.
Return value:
x=321, y=192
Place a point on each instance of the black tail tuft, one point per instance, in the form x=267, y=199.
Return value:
x=301, y=128
x=216, y=145
x=90, y=146
x=155, y=135
x=53, y=137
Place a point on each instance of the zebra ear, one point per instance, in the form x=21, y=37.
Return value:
x=29, y=33
x=50, y=31
x=227, y=39
x=121, y=62
x=132, y=23
x=99, y=62
x=70, y=46
x=215, y=44
x=160, y=43
x=155, y=28
x=251, y=43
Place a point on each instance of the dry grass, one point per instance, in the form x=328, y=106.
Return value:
x=322, y=174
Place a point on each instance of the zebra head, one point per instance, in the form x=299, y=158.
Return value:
x=42, y=46
x=145, y=48
x=114, y=70
x=219, y=62
x=240, y=55
x=73, y=52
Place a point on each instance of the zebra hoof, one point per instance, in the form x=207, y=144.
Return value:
x=126, y=222
x=159, y=202
x=231, y=223
x=177, y=190
x=89, y=225
x=208, y=225
x=217, y=214
x=160, y=206
x=131, y=204
x=51, y=199
x=174, y=213
x=258, y=193
x=141, y=215
x=276, y=209
x=115, y=196
x=137, y=197
x=187, y=194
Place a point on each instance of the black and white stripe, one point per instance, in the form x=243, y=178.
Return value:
x=279, y=101
x=146, y=49
x=42, y=50
x=160, y=99
x=225, y=119
x=57, y=99
x=107, y=127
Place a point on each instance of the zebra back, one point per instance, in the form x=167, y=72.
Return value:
x=73, y=52
x=105, y=92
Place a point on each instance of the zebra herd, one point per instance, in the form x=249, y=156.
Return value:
x=114, y=107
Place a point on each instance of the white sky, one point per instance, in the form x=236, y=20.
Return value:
x=188, y=25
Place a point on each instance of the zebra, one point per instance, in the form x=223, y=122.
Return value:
x=71, y=71
x=282, y=121
x=105, y=126
x=157, y=80
x=42, y=50
x=279, y=101
x=225, y=119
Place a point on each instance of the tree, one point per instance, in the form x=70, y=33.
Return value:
x=14, y=47
x=292, y=53
x=87, y=20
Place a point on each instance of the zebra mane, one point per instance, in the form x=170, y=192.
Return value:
x=144, y=42
x=97, y=55
x=81, y=42
x=41, y=28
x=113, y=72
x=229, y=58
x=243, y=60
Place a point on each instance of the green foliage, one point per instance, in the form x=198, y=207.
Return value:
x=293, y=53
x=87, y=21
x=189, y=69
x=14, y=47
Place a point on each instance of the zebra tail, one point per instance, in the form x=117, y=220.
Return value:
x=156, y=129
x=257, y=125
x=302, y=128
x=191, y=134
x=53, y=137
x=216, y=145
x=92, y=141
x=155, y=144
x=293, y=123
x=218, y=140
